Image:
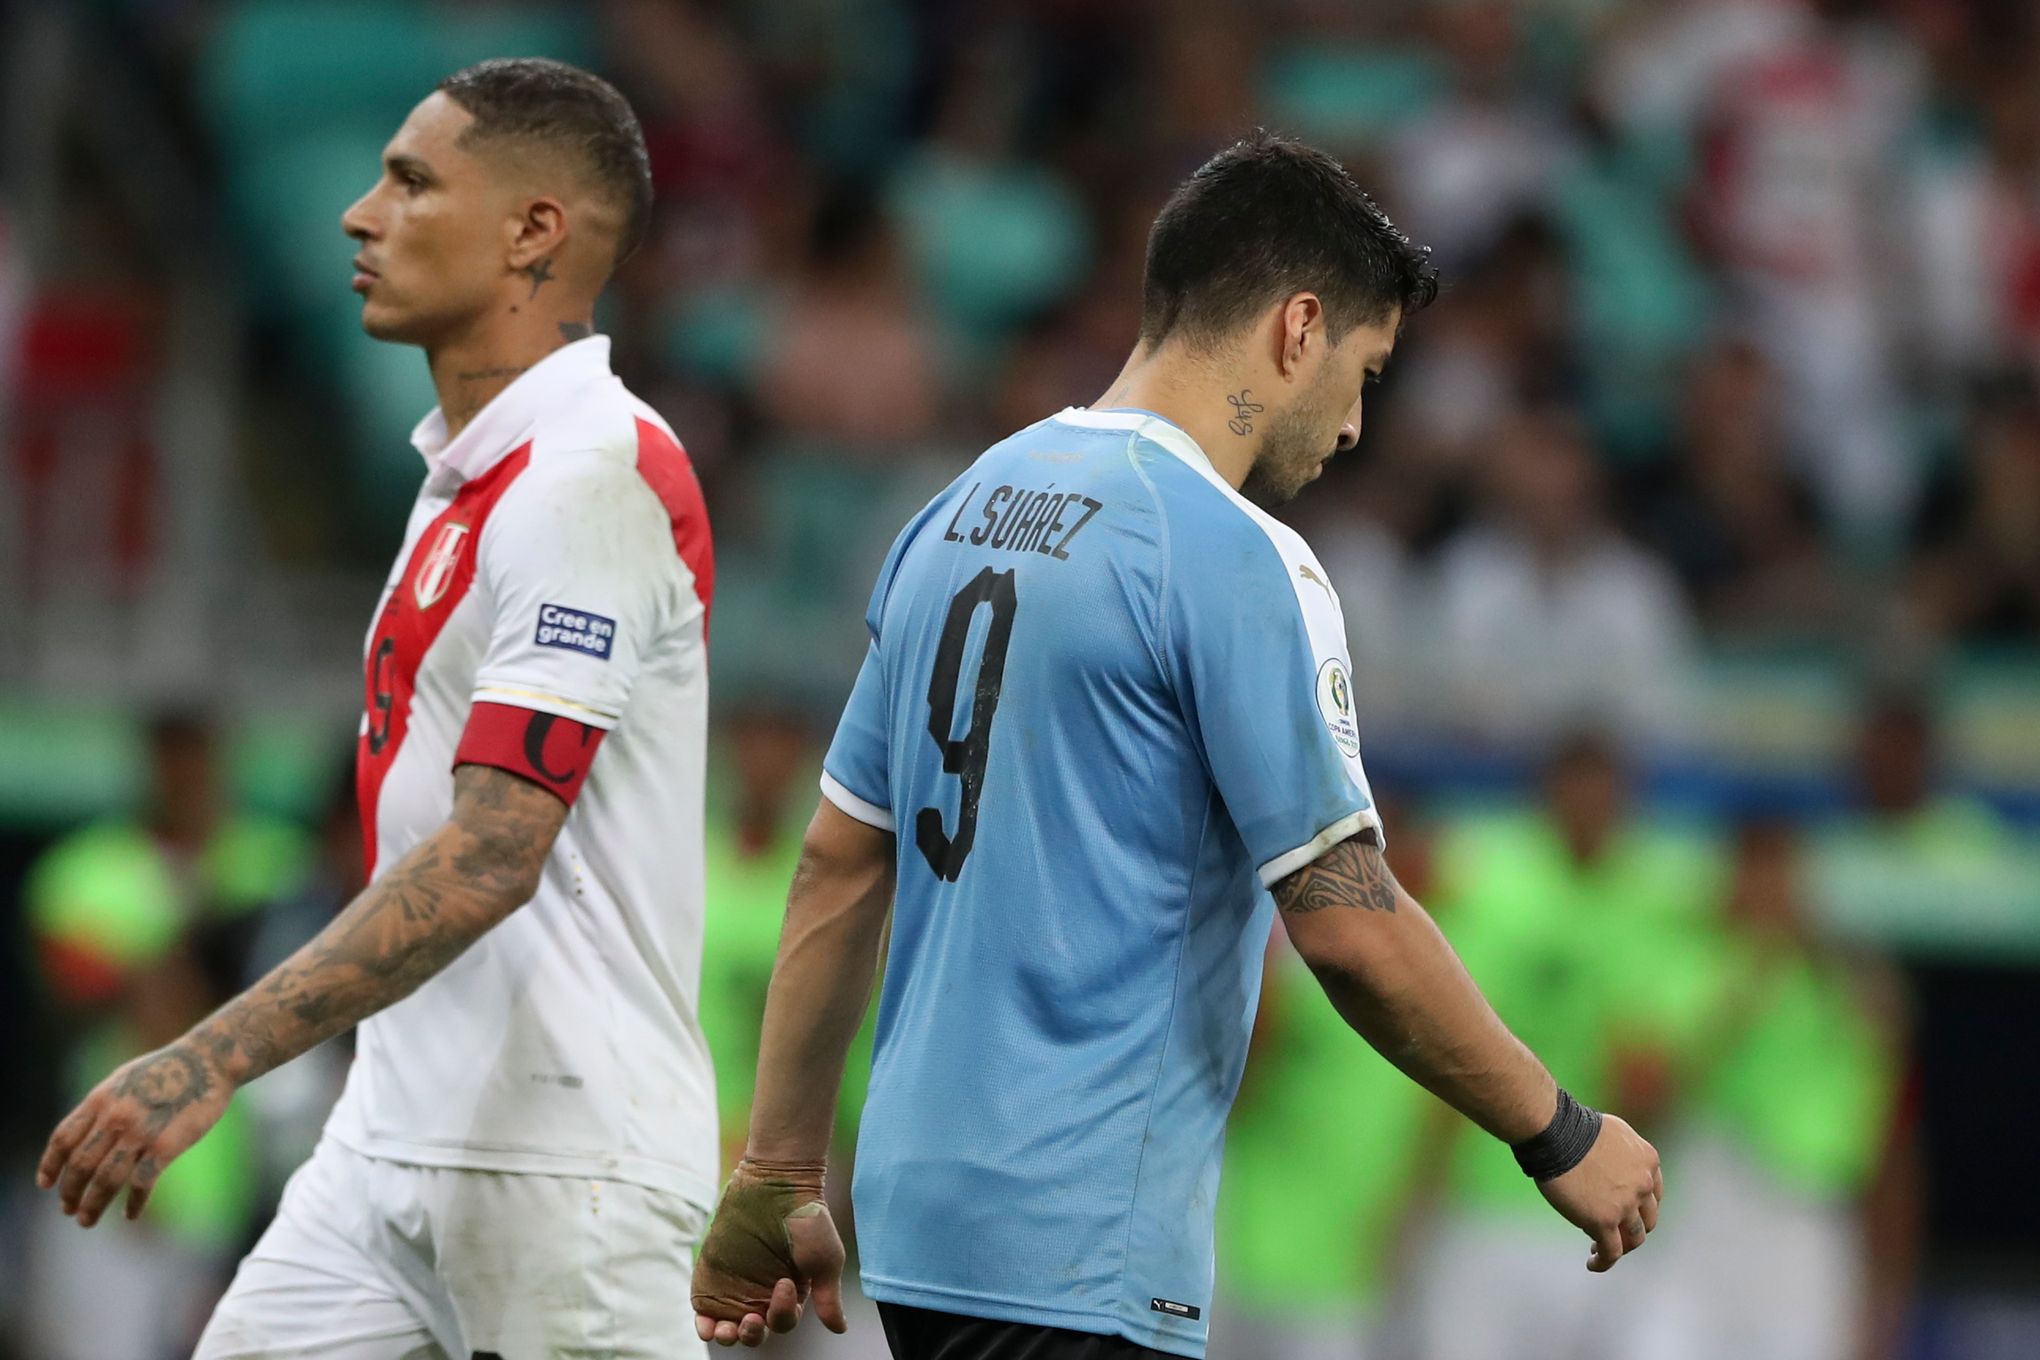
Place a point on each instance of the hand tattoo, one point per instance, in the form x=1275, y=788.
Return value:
x=1353, y=873
x=1244, y=411
x=164, y=1084
x=540, y=273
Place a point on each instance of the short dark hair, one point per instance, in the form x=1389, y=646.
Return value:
x=1266, y=218
x=557, y=105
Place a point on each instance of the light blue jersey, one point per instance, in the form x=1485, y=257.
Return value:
x=1107, y=701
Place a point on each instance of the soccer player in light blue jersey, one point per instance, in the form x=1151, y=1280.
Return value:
x=1104, y=730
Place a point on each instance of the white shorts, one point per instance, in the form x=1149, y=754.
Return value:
x=377, y=1260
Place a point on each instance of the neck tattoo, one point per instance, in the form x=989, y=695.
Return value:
x=540, y=273
x=1244, y=411
x=570, y=331
x=484, y=374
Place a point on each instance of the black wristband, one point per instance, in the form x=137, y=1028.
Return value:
x=1565, y=1142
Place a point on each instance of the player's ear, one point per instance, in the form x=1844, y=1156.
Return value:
x=1303, y=330
x=537, y=232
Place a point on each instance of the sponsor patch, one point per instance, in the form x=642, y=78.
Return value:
x=1335, y=702
x=576, y=630
x=1175, y=1309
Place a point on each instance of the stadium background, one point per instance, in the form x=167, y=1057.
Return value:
x=1691, y=558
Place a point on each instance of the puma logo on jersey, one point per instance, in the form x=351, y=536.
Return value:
x=1310, y=575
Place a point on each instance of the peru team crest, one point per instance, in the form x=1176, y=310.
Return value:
x=437, y=572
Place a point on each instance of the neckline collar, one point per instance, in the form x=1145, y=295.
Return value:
x=1155, y=428
x=500, y=425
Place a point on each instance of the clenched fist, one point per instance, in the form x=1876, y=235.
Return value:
x=1613, y=1194
x=771, y=1247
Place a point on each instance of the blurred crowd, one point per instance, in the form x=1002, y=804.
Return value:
x=1739, y=348
x=1740, y=341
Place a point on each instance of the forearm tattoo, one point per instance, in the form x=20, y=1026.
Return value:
x=407, y=925
x=1353, y=873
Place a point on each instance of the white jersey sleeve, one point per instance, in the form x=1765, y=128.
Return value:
x=578, y=575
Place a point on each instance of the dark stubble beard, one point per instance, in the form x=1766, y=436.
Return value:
x=1291, y=453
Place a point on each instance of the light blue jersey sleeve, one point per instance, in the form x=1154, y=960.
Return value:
x=1257, y=646
x=854, y=773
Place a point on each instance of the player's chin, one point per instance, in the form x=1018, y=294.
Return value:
x=383, y=321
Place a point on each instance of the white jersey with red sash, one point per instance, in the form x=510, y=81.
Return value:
x=548, y=615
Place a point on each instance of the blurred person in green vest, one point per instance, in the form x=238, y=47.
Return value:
x=770, y=759
x=289, y=1107
x=1302, y=1259
x=1585, y=925
x=142, y=925
x=1914, y=861
x=1800, y=1183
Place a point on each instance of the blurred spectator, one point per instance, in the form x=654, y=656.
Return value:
x=853, y=297
x=1733, y=517
x=1798, y=1197
x=1306, y=1247
x=1975, y=205
x=1581, y=922
x=852, y=388
x=13, y=307
x=1362, y=525
x=753, y=845
x=715, y=156
x=994, y=238
x=289, y=1106
x=1486, y=153
x=1797, y=204
x=1912, y=845
x=1507, y=341
x=1547, y=615
x=1975, y=575
x=1902, y=797
x=142, y=926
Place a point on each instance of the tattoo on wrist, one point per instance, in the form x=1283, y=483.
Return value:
x=1352, y=873
x=540, y=272
x=1244, y=411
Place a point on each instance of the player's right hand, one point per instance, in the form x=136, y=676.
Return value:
x=771, y=1247
x=1613, y=1194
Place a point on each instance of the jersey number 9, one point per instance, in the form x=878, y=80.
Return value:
x=965, y=757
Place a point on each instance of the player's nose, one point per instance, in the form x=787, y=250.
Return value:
x=355, y=221
x=1349, y=434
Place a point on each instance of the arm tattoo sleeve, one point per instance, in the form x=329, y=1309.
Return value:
x=408, y=924
x=1352, y=873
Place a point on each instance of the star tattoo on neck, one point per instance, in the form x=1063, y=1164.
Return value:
x=540, y=273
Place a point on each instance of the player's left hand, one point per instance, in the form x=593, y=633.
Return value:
x=771, y=1247
x=134, y=1124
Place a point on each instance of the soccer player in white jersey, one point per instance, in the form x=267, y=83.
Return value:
x=521, y=1160
x=1103, y=731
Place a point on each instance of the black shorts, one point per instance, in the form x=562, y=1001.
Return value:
x=922, y=1334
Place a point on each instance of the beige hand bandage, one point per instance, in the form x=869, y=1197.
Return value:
x=748, y=1250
